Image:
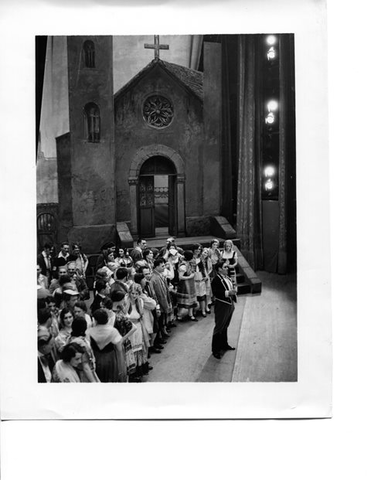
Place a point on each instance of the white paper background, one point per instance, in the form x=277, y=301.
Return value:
x=261, y=449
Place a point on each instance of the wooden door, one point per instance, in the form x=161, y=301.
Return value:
x=146, y=206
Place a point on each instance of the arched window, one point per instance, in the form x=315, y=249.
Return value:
x=92, y=123
x=89, y=54
x=46, y=229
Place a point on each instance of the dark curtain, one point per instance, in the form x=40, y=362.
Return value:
x=227, y=168
x=249, y=214
x=287, y=158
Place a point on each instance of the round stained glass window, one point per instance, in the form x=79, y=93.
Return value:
x=158, y=111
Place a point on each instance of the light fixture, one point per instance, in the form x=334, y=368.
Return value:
x=271, y=54
x=271, y=39
x=269, y=171
x=272, y=106
x=269, y=185
x=269, y=118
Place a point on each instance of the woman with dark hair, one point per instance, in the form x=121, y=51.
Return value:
x=80, y=308
x=123, y=258
x=202, y=282
x=80, y=258
x=106, y=343
x=65, y=370
x=66, y=318
x=86, y=369
x=186, y=293
x=149, y=258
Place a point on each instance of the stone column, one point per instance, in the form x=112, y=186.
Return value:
x=181, y=205
x=133, y=187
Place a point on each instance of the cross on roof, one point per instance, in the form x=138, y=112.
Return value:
x=156, y=46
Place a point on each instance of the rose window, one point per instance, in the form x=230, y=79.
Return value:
x=158, y=111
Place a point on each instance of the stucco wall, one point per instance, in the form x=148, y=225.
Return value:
x=93, y=191
x=184, y=135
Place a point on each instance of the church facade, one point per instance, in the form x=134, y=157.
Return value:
x=176, y=151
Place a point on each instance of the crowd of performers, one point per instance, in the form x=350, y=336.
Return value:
x=139, y=295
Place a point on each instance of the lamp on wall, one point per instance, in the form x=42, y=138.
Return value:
x=271, y=54
x=271, y=107
x=269, y=185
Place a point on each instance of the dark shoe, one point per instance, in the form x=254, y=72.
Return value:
x=159, y=347
x=217, y=355
x=193, y=319
x=204, y=315
x=162, y=342
x=228, y=347
x=208, y=311
x=166, y=335
x=156, y=350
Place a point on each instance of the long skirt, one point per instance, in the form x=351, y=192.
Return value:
x=186, y=294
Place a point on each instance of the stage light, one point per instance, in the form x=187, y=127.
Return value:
x=271, y=54
x=269, y=171
x=272, y=106
x=269, y=118
x=271, y=39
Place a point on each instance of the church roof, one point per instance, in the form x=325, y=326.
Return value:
x=191, y=79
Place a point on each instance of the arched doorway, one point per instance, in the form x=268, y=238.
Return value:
x=157, y=197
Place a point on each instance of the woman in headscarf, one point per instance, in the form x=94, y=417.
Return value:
x=106, y=343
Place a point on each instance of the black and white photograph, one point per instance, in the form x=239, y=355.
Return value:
x=190, y=181
x=170, y=187
x=166, y=208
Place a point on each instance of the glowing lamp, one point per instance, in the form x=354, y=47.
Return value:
x=271, y=54
x=272, y=106
x=269, y=118
x=269, y=171
x=271, y=39
x=269, y=185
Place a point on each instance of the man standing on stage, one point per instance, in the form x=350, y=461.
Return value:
x=225, y=296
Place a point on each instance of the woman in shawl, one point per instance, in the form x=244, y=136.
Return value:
x=65, y=370
x=186, y=293
x=86, y=369
x=106, y=343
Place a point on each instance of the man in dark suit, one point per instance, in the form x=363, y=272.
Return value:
x=225, y=296
x=45, y=362
x=161, y=292
x=44, y=260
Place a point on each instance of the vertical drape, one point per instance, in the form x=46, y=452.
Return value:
x=286, y=170
x=248, y=190
x=227, y=193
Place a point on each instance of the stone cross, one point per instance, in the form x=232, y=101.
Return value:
x=157, y=46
